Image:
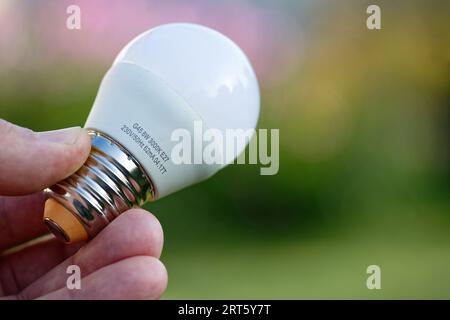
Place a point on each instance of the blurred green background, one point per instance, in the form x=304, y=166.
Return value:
x=364, y=119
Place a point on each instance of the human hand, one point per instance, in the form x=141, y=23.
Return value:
x=122, y=262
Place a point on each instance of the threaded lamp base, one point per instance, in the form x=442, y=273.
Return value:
x=110, y=182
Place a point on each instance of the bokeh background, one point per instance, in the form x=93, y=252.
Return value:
x=364, y=140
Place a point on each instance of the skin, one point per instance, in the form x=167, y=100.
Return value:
x=122, y=262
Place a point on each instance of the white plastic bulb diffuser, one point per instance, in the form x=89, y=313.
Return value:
x=175, y=76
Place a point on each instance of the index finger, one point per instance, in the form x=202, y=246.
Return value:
x=21, y=219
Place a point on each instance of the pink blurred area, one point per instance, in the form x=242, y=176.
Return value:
x=34, y=35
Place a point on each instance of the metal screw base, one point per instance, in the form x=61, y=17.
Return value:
x=110, y=182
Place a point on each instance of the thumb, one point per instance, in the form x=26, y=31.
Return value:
x=31, y=161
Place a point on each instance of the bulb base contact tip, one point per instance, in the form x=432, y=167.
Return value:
x=110, y=182
x=63, y=223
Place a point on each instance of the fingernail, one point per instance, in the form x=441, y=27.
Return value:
x=64, y=136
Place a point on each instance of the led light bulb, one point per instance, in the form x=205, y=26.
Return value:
x=171, y=77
